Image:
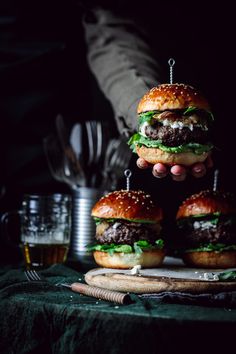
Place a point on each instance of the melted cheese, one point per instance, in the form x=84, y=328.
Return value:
x=186, y=122
x=101, y=228
x=203, y=225
x=142, y=128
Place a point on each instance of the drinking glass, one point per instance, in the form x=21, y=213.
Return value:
x=45, y=222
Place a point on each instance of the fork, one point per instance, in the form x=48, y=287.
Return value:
x=95, y=148
x=103, y=294
x=62, y=164
x=72, y=165
x=54, y=156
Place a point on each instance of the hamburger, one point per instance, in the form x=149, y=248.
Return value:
x=207, y=225
x=174, y=126
x=128, y=227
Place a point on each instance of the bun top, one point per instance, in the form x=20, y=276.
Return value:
x=132, y=205
x=172, y=96
x=207, y=202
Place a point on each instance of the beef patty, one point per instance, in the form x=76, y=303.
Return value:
x=175, y=136
x=125, y=232
x=223, y=232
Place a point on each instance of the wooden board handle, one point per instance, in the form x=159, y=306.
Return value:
x=102, y=294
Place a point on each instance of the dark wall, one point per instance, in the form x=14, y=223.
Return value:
x=198, y=34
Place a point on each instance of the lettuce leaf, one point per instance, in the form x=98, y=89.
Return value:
x=228, y=275
x=191, y=110
x=210, y=247
x=147, y=116
x=213, y=218
x=111, y=220
x=138, y=139
x=217, y=213
x=138, y=247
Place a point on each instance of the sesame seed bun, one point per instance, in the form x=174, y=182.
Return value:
x=206, y=202
x=147, y=259
x=123, y=204
x=155, y=155
x=224, y=259
x=129, y=207
x=172, y=96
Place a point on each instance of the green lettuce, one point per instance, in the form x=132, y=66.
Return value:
x=147, y=116
x=138, y=139
x=194, y=110
x=138, y=247
x=228, y=275
x=111, y=220
x=210, y=247
x=213, y=218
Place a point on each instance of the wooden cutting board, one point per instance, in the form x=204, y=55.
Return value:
x=148, y=282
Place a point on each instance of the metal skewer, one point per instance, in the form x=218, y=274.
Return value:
x=127, y=174
x=171, y=63
x=216, y=180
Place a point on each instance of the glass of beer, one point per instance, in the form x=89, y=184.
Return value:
x=45, y=229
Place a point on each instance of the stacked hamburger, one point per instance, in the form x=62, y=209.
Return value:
x=174, y=126
x=128, y=228
x=207, y=230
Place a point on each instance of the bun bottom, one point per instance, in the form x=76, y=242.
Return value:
x=225, y=259
x=154, y=155
x=147, y=259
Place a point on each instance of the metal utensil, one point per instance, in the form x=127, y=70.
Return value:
x=72, y=165
x=76, y=142
x=61, y=131
x=103, y=294
x=95, y=147
x=55, y=158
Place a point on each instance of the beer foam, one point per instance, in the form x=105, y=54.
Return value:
x=46, y=238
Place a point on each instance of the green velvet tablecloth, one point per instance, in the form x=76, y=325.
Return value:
x=42, y=318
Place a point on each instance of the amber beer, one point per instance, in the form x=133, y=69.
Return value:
x=38, y=255
x=45, y=229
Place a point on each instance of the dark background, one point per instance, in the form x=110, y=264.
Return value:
x=43, y=71
x=199, y=35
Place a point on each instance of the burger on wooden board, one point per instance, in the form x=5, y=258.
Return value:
x=207, y=225
x=174, y=126
x=128, y=230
